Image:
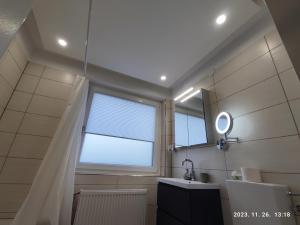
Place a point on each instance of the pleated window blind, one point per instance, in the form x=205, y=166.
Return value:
x=119, y=132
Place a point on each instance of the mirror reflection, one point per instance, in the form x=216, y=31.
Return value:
x=190, y=123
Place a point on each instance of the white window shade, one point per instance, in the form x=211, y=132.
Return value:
x=118, y=117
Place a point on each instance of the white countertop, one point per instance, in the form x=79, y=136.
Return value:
x=188, y=184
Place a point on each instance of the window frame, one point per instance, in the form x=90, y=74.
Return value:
x=90, y=168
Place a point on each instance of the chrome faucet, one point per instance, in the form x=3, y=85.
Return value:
x=189, y=174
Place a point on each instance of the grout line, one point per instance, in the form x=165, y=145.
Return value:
x=244, y=89
x=285, y=94
x=31, y=113
x=27, y=92
x=20, y=157
x=268, y=138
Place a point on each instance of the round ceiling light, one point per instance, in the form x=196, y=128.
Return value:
x=163, y=77
x=62, y=42
x=221, y=19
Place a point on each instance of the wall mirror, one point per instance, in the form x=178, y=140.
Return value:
x=223, y=123
x=192, y=119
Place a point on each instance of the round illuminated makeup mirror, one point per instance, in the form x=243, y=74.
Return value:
x=223, y=123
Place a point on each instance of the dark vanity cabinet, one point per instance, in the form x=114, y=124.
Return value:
x=180, y=206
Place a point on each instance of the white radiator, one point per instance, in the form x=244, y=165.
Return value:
x=111, y=207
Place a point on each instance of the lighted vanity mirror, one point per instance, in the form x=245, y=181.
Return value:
x=192, y=119
x=223, y=123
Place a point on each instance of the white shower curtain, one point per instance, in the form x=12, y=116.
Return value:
x=49, y=201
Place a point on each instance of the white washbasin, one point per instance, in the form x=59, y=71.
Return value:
x=188, y=184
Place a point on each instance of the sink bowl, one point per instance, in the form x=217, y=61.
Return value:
x=188, y=184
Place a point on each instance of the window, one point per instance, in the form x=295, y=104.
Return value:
x=189, y=130
x=120, y=134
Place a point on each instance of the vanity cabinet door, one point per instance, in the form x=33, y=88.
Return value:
x=164, y=219
x=174, y=201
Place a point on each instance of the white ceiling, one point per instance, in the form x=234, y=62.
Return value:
x=141, y=38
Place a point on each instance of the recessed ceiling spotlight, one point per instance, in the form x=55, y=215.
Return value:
x=221, y=19
x=163, y=77
x=62, y=42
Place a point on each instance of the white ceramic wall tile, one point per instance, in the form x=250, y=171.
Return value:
x=5, y=221
x=6, y=140
x=12, y=196
x=19, y=170
x=271, y=122
x=9, y=69
x=178, y=172
x=151, y=215
x=18, y=54
x=295, y=106
x=251, y=53
x=281, y=58
x=2, y=159
x=54, y=89
x=1, y=110
x=292, y=180
x=271, y=155
x=137, y=180
x=34, y=69
x=47, y=106
x=38, y=125
x=291, y=83
x=178, y=157
x=5, y=91
x=205, y=83
x=19, y=101
x=28, y=146
x=250, y=74
x=96, y=179
x=27, y=83
x=262, y=95
x=58, y=75
x=226, y=212
x=10, y=121
x=207, y=158
x=273, y=39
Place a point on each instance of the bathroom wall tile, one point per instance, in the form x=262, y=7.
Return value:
x=19, y=101
x=251, y=74
x=58, y=75
x=34, y=69
x=38, y=125
x=226, y=212
x=262, y=95
x=5, y=91
x=251, y=53
x=47, y=106
x=178, y=172
x=12, y=196
x=96, y=179
x=207, y=158
x=206, y=82
x=292, y=180
x=273, y=39
x=27, y=83
x=5, y=221
x=178, y=157
x=19, y=170
x=54, y=89
x=137, y=180
x=281, y=58
x=79, y=187
x=291, y=83
x=151, y=215
x=28, y=146
x=271, y=155
x=295, y=106
x=9, y=69
x=271, y=122
x=10, y=121
x=1, y=110
x=18, y=54
x=151, y=191
x=6, y=140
